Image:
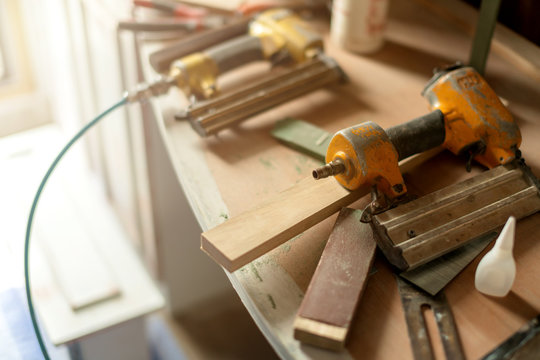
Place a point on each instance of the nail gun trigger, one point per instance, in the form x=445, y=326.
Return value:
x=375, y=207
x=471, y=151
x=366, y=215
x=468, y=165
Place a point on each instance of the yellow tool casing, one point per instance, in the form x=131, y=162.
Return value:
x=196, y=74
x=369, y=158
x=281, y=29
x=475, y=119
x=273, y=32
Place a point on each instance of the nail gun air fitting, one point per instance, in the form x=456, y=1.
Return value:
x=468, y=119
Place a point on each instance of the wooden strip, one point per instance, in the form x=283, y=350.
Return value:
x=303, y=136
x=325, y=316
x=320, y=334
x=247, y=236
x=251, y=234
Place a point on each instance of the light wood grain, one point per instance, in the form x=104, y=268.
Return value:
x=253, y=233
x=318, y=333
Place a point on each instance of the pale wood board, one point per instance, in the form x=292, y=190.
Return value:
x=253, y=233
x=247, y=167
x=246, y=237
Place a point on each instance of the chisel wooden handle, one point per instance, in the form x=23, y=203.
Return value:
x=161, y=60
x=235, y=52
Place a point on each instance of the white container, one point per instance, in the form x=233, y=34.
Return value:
x=359, y=25
x=496, y=271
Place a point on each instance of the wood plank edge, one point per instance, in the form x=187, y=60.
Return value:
x=320, y=334
x=234, y=263
x=209, y=249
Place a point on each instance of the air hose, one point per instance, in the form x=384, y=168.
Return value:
x=33, y=211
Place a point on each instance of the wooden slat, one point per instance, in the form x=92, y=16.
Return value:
x=245, y=237
x=325, y=316
x=251, y=234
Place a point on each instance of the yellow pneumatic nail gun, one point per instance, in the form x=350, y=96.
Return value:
x=468, y=119
x=276, y=35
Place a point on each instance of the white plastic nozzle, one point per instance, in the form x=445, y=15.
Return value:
x=496, y=271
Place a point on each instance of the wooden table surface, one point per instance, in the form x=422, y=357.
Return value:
x=225, y=175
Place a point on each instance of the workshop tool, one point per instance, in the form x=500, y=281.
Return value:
x=276, y=35
x=251, y=7
x=210, y=116
x=173, y=8
x=430, y=277
x=496, y=271
x=168, y=25
x=273, y=34
x=423, y=229
x=433, y=276
x=414, y=301
x=243, y=238
x=329, y=304
x=162, y=59
x=523, y=345
x=469, y=119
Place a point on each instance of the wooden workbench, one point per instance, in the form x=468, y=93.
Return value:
x=227, y=174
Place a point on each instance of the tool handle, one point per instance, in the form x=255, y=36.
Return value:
x=418, y=135
x=162, y=59
x=235, y=52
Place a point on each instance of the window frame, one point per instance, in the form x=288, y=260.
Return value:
x=23, y=102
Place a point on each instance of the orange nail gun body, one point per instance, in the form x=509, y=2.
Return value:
x=475, y=119
x=469, y=119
